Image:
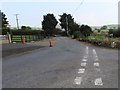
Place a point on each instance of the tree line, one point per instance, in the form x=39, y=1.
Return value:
x=67, y=23
x=50, y=22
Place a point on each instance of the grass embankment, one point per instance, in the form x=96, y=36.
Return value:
x=101, y=39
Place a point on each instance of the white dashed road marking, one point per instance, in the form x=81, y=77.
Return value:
x=96, y=64
x=84, y=60
x=98, y=81
x=87, y=48
x=81, y=70
x=78, y=80
x=83, y=64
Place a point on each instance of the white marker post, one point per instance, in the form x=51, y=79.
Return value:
x=9, y=37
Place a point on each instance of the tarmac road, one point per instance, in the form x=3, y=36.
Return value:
x=68, y=64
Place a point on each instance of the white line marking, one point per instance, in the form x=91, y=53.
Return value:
x=94, y=52
x=84, y=60
x=98, y=81
x=78, y=80
x=87, y=48
x=96, y=64
x=81, y=70
x=83, y=64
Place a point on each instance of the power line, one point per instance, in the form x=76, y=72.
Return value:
x=78, y=7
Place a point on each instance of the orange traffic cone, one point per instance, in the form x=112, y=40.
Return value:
x=23, y=40
x=50, y=43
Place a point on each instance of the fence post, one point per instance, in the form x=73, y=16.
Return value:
x=9, y=37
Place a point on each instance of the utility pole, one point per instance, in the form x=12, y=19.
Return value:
x=16, y=15
x=67, y=24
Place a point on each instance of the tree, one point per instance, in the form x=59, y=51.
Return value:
x=4, y=24
x=49, y=24
x=57, y=31
x=86, y=30
x=28, y=28
x=73, y=28
x=66, y=21
x=111, y=31
x=4, y=20
x=99, y=30
x=77, y=34
x=25, y=27
x=103, y=27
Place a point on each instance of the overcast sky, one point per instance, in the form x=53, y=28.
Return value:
x=88, y=12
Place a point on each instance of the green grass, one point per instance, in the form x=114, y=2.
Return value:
x=98, y=37
x=102, y=38
x=101, y=31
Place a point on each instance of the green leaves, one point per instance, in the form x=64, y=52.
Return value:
x=4, y=20
x=25, y=27
x=3, y=24
x=66, y=21
x=103, y=27
x=86, y=30
x=49, y=23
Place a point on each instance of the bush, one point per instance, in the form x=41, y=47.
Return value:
x=118, y=44
x=77, y=34
x=4, y=31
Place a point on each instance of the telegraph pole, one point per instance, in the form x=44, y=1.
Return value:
x=16, y=15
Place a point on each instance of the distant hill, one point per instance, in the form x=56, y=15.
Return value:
x=33, y=28
x=111, y=26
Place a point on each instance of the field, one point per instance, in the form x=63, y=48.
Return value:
x=101, y=36
x=102, y=39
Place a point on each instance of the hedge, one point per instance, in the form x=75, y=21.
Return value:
x=26, y=32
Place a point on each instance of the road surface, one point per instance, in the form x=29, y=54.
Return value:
x=68, y=64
